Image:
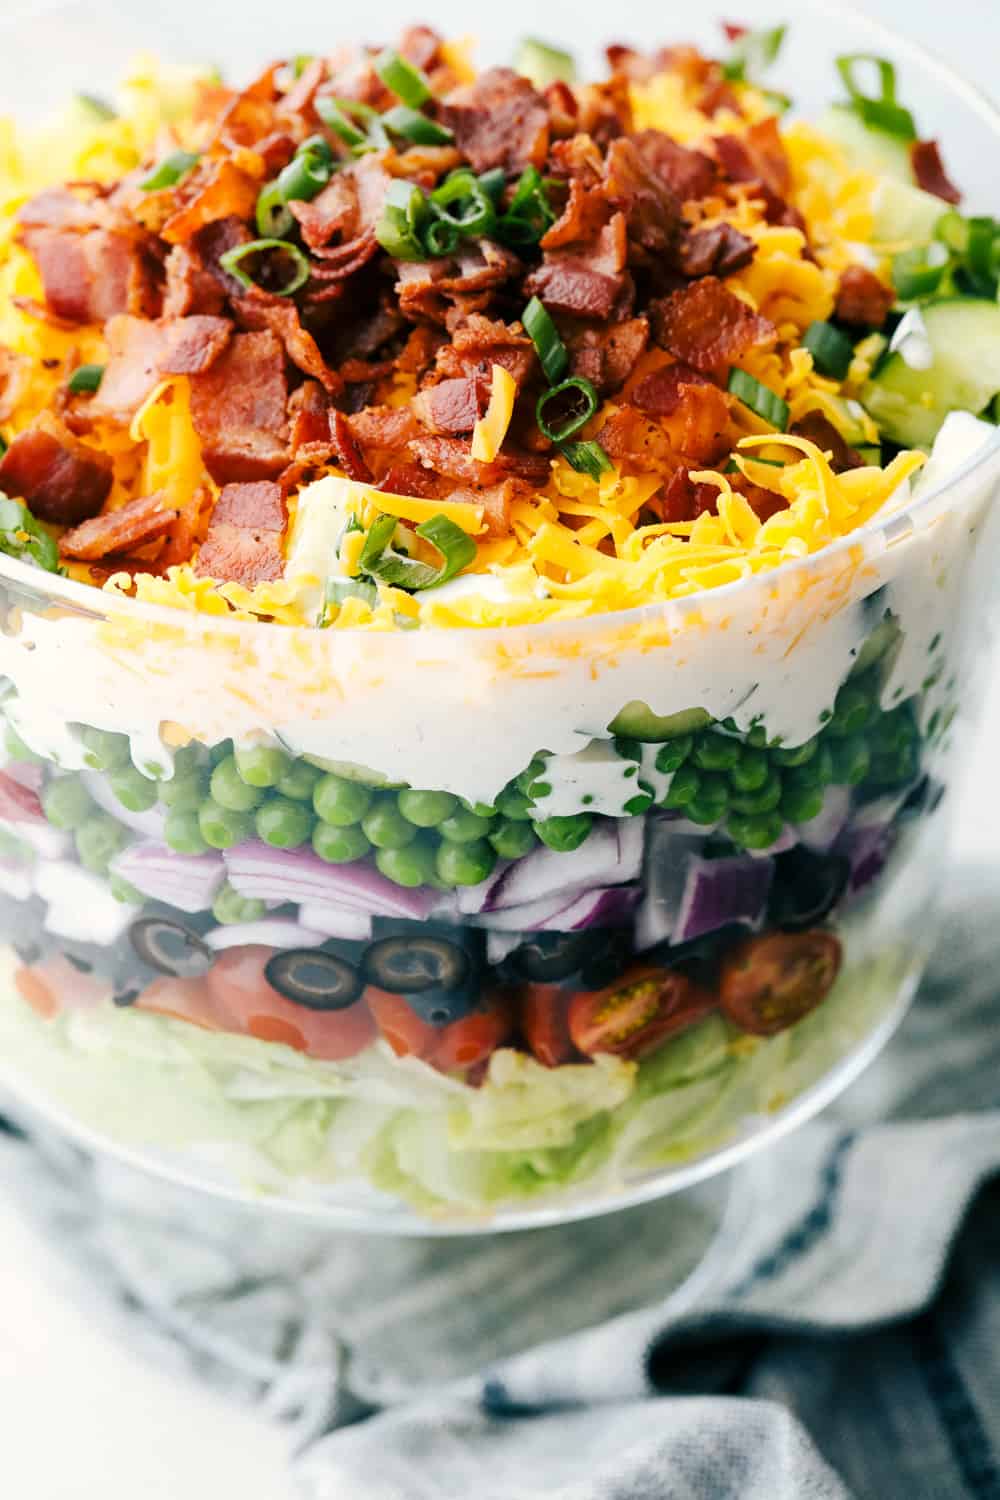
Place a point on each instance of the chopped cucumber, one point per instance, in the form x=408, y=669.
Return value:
x=638, y=722
x=903, y=212
x=910, y=405
x=543, y=64
x=351, y=772
x=867, y=147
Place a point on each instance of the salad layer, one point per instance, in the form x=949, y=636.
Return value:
x=382, y=340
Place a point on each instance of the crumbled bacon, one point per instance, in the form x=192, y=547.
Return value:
x=453, y=458
x=607, y=356
x=426, y=288
x=351, y=458
x=928, y=169
x=586, y=280
x=190, y=286
x=692, y=411
x=709, y=327
x=238, y=410
x=309, y=413
x=863, y=299
x=135, y=524
x=347, y=207
x=92, y=264
x=243, y=542
x=652, y=211
x=687, y=173
x=499, y=121
x=585, y=215
x=682, y=499
x=141, y=352
x=717, y=251
x=62, y=480
x=259, y=311
x=821, y=431
x=479, y=343
x=452, y=406
x=215, y=190
x=15, y=371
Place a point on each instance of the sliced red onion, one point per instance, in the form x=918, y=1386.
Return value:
x=336, y=921
x=188, y=881
x=822, y=831
x=149, y=823
x=469, y=900
x=16, y=881
x=277, y=933
x=500, y=944
x=80, y=905
x=21, y=816
x=668, y=850
x=612, y=855
x=867, y=849
x=27, y=772
x=608, y=906
x=719, y=892
x=300, y=876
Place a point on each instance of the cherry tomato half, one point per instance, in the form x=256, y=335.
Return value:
x=399, y=1024
x=635, y=1014
x=247, y=1003
x=545, y=1022
x=770, y=982
x=183, y=1000
x=54, y=985
x=462, y=1044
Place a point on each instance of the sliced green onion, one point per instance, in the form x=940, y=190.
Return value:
x=981, y=254
x=881, y=111
x=753, y=53
x=3, y=445
x=23, y=537
x=232, y=261
x=549, y=347
x=169, y=171
x=456, y=548
x=306, y=175
x=463, y=191
x=578, y=395
x=274, y=218
x=94, y=107
x=767, y=404
x=317, y=145
x=530, y=213
x=919, y=272
x=832, y=351
x=413, y=126
x=732, y=467
x=440, y=237
x=493, y=183
x=587, y=458
x=406, y=82
x=879, y=114
x=870, y=454
x=400, y=225
x=85, y=378
x=542, y=64
x=953, y=230
x=339, y=590
x=342, y=116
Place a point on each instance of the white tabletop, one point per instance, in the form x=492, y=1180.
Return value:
x=85, y=1418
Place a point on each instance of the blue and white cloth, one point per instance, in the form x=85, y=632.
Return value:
x=839, y=1341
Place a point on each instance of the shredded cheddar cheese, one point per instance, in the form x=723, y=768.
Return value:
x=491, y=429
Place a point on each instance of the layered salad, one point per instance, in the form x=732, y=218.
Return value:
x=487, y=562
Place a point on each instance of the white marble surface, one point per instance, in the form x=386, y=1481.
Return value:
x=83, y=1417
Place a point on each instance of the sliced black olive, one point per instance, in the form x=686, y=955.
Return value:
x=170, y=947
x=548, y=957
x=314, y=978
x=441, y=1007
x=807, y=886
x=423, y=958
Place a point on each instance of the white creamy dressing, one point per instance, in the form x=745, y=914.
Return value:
x=465, y=710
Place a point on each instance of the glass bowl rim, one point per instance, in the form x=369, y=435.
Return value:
x=82, y=595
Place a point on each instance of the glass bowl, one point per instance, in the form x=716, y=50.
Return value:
x=482, y=1032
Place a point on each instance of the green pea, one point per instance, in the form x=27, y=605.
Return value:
x=512, y=839
x=184, y=793
x=565, y=834
x=892, y=731
x=754, y=830
x=514, y=805
x=464, y=827
x=851, y=760
x=637, y=805
x=98, y=840
x=852, y=711
x=465, y=864
x=764, y=800
x=105, y=751
x=751, y=771
x=672, y=755
x=627, y=749
x=481, y=809
x=526, y=778
x=386, y=828
x=261, y=765
x=124, y=891
x=229, y=789
x=66, y=802
x=683, y=788
x=283, y=824
x=413, y=866
x=757, y=737
x=133, y=790
x=797, y=755
x=341, y=802
x=339, y=846
x=711, y=800
x=816, y=772
x=230, y=906
x=182, y=831
x=300, y=781
x=221, y=827
x=716, y=752
x=426, y=809
x=16, y=748
x=799, y=804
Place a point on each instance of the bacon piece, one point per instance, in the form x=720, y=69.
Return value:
x=863, y=299
x=821, y=431
x=652, y=211
x=717, y=251
x=757, y=156
x=15, y=372
x=352, y=460
x=178, y=543
x=453, y=458
x=309, y=410
x=91, y=275
x=479, y=343
x=452, y=406
x=261, y=312
x=425, y=288
x=243, y=542
x=215, y=190
x=238, y=410
x=191, y=288
x=61, y=479
x=688, y=174
x=928, y=169
x=389, y=427
x=410, y=479
x=588, y=280
x=420, y=46
x=135, y=524
x=61, y=208
x=692, y=411
x=496, y=500
x=298, y=100
x=499, y=121
x=140, y=353
x=348, y=207
x=585, y=215
x=607, y=356
x=660, y=393
x=708, y=327
x=578, y=159
x=681, y=499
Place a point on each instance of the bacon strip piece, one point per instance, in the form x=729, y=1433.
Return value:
x=238, y=410
x=259, y=311
x=928, y=169
x=607, y=356
x=453, y=406
x=863, y=299
x=587, y=280
x=136, y=523
x=215, y=190
x=453, y=458
x=351, y=458
x=708, y=326
x=62, y=480
x=499, y=121
x=140, y=353
x=478, y=343
x=243, y=543
x=821, y=431
x=717, y=251
x=90, y=276
x=688, y=174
